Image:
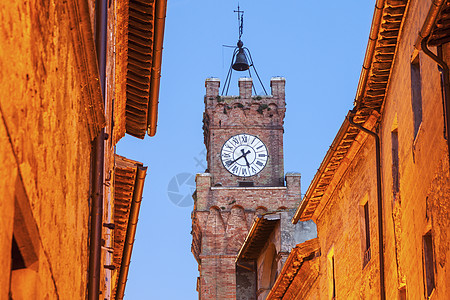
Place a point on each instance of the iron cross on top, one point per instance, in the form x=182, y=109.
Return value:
x=241, y=20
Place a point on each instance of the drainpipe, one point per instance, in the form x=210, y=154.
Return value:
x=160, y=12
x=131, y=231
x=421, y=43
x=446, y=73
x=97, y=172
x=380, y=202
x=429, y=22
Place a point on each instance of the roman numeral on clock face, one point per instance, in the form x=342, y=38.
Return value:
x=228, y=146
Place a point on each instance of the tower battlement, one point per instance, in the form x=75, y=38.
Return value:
x=277, y=85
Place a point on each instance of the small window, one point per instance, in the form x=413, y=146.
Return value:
x=416, y=94
x=395, y=164
x=246, y=183
x=367, y=254
x=402, y=293
x=17, y=261
x=428, y=262
x=24, y=250
x=333, y=295
x=331, y=274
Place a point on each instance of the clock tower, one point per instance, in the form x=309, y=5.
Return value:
x=245, y=178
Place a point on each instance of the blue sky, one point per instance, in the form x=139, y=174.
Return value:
x=318, y=46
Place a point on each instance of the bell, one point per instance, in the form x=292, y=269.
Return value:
x=241, y=63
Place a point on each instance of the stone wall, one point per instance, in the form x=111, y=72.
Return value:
x=46, y=152
x=419, y=206
x=423, y=169
x=340, y=229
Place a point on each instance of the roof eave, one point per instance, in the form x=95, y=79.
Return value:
x=256, y=226
x=129, y=177
x=373, y=83
x=306, y=251
x=321, y=170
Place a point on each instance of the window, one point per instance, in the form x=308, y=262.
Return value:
x=416, y=94
x=428, y=264
x=334, y=278
x=365, y=230
x=24, y=250
x=395, y=164
x=17, y=261
x=367, y=254
x=331, y=274
x=402, y=293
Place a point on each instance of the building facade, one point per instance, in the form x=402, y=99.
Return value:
x=380, y=197
x=75, y=76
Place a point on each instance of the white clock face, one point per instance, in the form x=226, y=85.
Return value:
x=244, y=155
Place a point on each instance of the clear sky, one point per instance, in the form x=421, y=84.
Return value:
x=318, y=46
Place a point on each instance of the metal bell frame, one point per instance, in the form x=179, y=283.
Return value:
x=239, y=51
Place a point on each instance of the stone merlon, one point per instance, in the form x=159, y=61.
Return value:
x=245, y=87
x=212, y=87
x=277, y=84
x=203, y=184
x=293, y=185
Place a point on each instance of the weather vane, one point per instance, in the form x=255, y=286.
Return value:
x=240, y=20
x=241, y=57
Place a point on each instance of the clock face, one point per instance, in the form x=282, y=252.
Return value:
x=244, y=155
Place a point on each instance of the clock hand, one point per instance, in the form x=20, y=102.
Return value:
x=230, y=162
x=245, y=157
x=246, y=161
x=244, y=154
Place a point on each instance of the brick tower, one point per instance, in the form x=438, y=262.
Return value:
x=245, y=177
